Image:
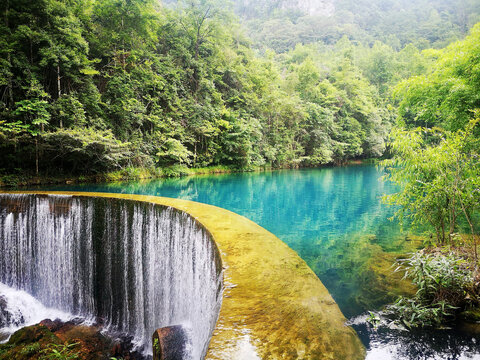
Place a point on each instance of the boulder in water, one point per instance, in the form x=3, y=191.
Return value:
x=172, y=343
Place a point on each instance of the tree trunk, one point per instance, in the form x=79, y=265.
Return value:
x=472, y=230
x=9, y=84
x=10, y=87
x=465, y=210
x=36, y=155
x=123, y=49
x=59, y=90
x=197, y=45
x=443, y=232
x=453, y=220
x=195, y=154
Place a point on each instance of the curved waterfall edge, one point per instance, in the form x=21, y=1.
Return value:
x=114, y=244
x=273, y=304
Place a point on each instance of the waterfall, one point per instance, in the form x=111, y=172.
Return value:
x=134, y=266
x=19, y=309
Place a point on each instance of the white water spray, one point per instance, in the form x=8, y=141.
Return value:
x=135, y=266
x=20, y=309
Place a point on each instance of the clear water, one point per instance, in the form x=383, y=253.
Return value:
x=334, y=218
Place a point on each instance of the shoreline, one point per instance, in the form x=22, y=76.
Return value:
x=21, y=181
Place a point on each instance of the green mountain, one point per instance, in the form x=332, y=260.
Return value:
x=281, y=24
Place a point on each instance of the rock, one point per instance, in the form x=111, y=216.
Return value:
x=32, y=334
x=171, y=343
x=52, y=325
x=4, y=336
x=90, y=344
x=123, y=349
x=4, y=315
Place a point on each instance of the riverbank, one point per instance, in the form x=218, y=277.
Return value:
x=137, y=173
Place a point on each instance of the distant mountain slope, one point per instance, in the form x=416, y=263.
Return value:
x=253, y=8
x=281, y=24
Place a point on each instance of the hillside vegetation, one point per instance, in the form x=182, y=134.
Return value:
x=92, y=86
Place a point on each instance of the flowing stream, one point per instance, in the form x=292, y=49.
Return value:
x=133, y=266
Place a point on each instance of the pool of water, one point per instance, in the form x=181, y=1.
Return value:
x=334, y=218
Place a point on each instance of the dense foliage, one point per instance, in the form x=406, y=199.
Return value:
x=90, y=86
x=449, y=92
x=440, y=181
x=436, y=163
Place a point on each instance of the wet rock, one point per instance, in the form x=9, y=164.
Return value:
x=123, y=349
x=3, y=336
x=6, y=317
x=79, y=341
x=172, y=343
x=3, y=312
x=28, y=343
x=52, y=325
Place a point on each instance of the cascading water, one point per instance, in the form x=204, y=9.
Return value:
x=135, y=266
x=18, y=309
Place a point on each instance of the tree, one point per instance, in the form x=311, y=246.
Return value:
x=447, y=95
x=173, y=152
x=85, y=150
x=380, y=67
x=34, y=110
x=438, y=172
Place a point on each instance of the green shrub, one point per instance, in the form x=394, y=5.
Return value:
x=31, y=349
x=65, y=351
x=175, y=171
x=445, y=286
x=85, y=150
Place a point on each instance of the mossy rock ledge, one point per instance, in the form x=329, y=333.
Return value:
x=274, y=306
x=72, y=338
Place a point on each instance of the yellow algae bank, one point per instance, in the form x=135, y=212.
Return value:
x=274, y=306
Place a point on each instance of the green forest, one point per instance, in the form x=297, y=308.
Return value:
x=110, y=90
x=90, y=87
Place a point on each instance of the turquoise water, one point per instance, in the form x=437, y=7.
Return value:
x=334, y=218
